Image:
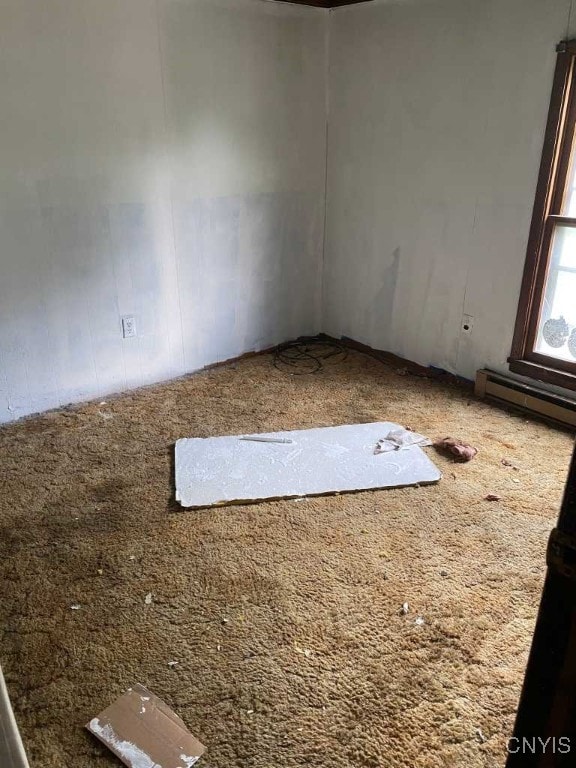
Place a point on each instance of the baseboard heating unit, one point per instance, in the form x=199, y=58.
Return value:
x=527, y=397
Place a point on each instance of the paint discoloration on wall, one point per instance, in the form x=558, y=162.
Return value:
x=163, y=159
x=437, y=116
x=166, y=159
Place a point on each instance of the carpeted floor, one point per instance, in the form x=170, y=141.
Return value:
x=284, y=617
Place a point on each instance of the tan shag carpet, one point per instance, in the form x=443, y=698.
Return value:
x=284, y=617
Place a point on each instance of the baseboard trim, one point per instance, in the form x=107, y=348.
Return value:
x=233, y=360
x=401, y=364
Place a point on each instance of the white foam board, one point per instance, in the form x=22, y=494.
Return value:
x=225, y=470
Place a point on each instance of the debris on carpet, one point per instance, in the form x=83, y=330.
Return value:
x=308, y=462
x=460, y=450
x=141, y=730
x=308, y=355
x=400, y=439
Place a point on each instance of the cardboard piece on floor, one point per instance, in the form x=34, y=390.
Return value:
x=307, y=462
x=144, y=732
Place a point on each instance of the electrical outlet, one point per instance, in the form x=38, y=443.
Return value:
x=467, y=323
x=128, y=326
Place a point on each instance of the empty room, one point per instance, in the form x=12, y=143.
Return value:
x=287, y=383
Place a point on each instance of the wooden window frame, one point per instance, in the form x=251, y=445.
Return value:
x=546, y=216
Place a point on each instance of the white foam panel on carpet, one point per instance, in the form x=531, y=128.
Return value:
x=225, y=470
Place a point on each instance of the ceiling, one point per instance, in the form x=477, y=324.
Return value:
x=325, y=3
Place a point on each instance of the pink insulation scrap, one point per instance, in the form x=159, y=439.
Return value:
x=460, y=450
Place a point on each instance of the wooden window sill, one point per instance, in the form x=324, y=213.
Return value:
x=543, y=373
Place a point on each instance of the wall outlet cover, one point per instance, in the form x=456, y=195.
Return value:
x=128, y=326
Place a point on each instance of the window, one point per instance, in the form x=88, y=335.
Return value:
x=544, y=345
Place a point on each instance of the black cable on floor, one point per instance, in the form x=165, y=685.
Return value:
x=308, y=354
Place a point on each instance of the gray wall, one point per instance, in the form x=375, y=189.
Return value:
x=437, y=116
x=166, y=159
x=163, y=159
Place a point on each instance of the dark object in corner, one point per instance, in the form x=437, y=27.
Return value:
x=307, y=354
x=545, y=729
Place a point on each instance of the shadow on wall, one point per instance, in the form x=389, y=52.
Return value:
x=247, y=273
x=249, y=248
x=379, y=313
